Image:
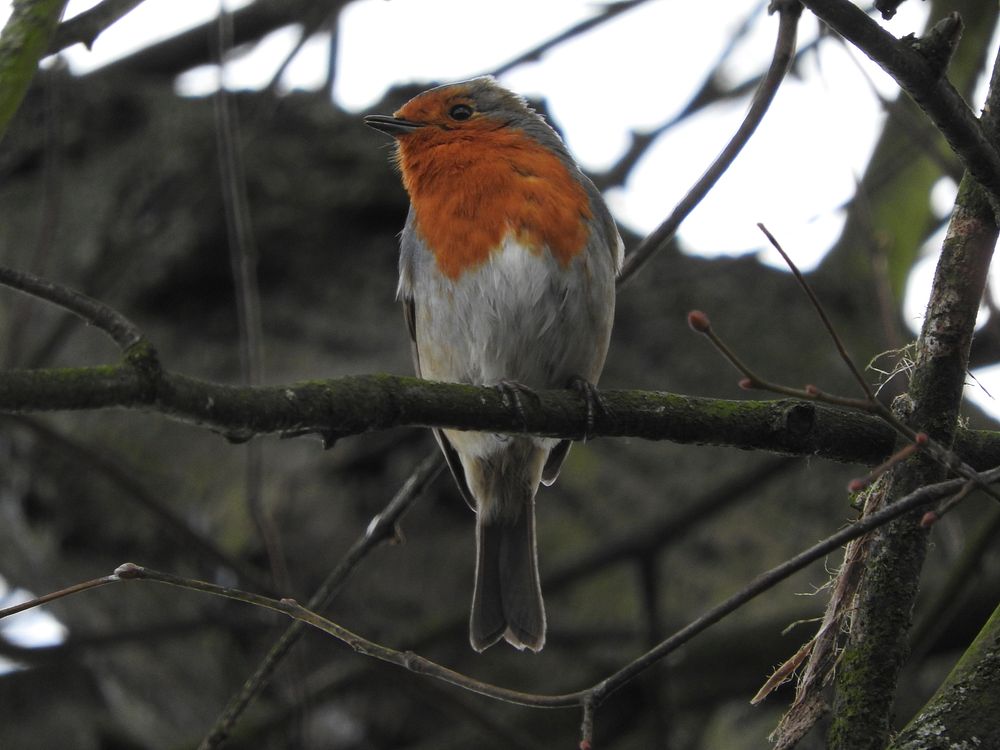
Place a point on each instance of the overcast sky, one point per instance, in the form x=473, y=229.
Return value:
x=632, y=73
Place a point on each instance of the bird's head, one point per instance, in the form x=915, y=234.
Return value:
x=459, y=111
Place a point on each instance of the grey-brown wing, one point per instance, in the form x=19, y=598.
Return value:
x=450, y=455
x=550, y=472
x=606, y=235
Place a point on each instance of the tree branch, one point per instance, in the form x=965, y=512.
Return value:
x=784, y=52
x=201, y=544
x=382, y=527
x=588, y=698
x=123, y=331
x=869, y=668
x=23, y=42
x=604, y=13
x=924, y=82
x=87, y=26
x=364, y=403
x=193, y=47
x=962, y=712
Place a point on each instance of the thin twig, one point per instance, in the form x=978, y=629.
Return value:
x=594, y=695
x=940, y=452
x=784, y=53
x=406, y=659
x=775, y=575
x=382, y=527
x=68, y=591
x=123, y=331
x=841, y=349
x=87, y=26
x=317, y=18
x=709, y=92
x=587, y=725
x=699, y=322
x=608, y=11
x=136, y=491
x=925, y=85
x=856, y=485
x=931, y=517
x=243, y=267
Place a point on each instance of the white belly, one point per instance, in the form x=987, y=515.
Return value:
x=519, y=316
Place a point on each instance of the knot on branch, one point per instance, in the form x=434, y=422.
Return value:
x=798, y=420
x=143, y=359
x=939, y=44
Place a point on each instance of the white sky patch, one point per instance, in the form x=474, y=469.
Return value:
x=32, y=628
x=628, y=75
x=631, y=74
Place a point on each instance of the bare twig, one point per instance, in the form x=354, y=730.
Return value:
x=321, y=16
x=699, y=322
x=710, y=92
x=382, y=527
x=779, y=573
x=87, y=26
x=931, y=517
x=856, y=485
x=136, y=492
x=841, y=349
x=784, y=51
x=123, y=331
x=595, y=694
x=944, y=605
x=607, y=12
x=924, y=83
x=68, y=591
x=243, y=267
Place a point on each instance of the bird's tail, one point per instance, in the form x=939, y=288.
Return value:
x=507, y=601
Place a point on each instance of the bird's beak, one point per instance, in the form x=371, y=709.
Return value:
x=393, y=126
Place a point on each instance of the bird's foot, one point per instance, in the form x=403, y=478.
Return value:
x=511, y=392
x=593, y=400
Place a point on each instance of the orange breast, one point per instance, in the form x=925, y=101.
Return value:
x=471, y=188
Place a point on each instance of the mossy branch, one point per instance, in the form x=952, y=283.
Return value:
x=878, y=646
x=363, y=403
x=23, y=42
x=963, y=712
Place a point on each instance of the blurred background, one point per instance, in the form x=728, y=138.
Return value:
x=129, y=174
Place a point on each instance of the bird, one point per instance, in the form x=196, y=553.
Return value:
x=507, y=269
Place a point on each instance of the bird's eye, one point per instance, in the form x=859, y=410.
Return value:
x=460, y=112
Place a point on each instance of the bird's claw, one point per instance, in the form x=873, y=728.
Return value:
x=511, y=391
x=592, y=399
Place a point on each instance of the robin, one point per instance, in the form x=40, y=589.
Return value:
x=507, y=278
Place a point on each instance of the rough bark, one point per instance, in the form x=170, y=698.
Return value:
x=965, y=711
x=869, y=668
